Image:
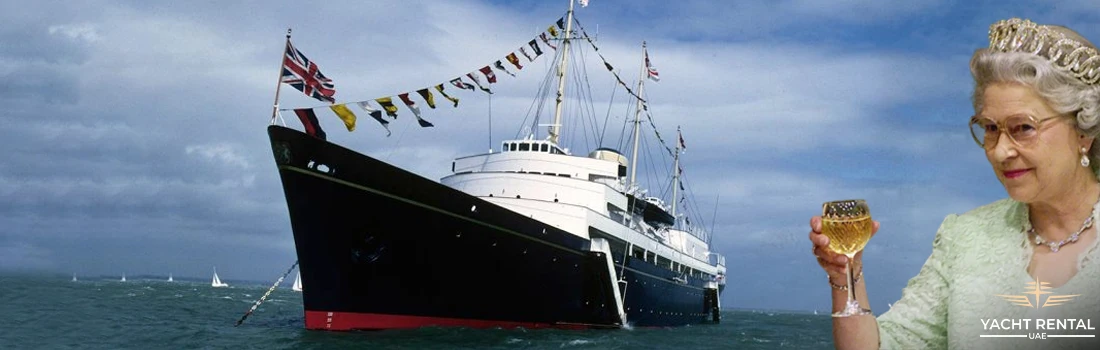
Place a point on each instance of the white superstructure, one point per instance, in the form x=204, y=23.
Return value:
x=585, y=196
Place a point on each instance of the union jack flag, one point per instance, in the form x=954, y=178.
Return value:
x=302, y=74
x=651, y=71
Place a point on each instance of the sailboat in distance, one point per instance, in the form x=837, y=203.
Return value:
x=123, y=278
x=297, y=287
x=74, y=276
x=217, y=282
x=169, y=277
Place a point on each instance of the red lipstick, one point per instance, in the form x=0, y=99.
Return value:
x=1012, y=174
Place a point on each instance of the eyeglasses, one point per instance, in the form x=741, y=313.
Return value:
x=1023, y=130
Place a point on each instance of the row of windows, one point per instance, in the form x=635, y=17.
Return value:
x=530, y=147
x=652, y=257
x=518, y=172
x=541, y=173
x=640, y=253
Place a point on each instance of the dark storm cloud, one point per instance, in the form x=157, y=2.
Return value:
x=38, y=60
x=141, y=127
x=101, y=145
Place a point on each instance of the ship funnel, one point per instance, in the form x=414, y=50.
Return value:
x=611, y=155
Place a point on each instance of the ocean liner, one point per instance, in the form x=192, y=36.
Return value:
x=529, y=235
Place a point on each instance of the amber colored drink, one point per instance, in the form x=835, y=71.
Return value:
x=848, y=225
x=848, y=236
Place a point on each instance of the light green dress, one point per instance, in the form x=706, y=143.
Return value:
x=975, y=257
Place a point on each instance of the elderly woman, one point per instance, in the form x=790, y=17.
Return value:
x=1021, y=266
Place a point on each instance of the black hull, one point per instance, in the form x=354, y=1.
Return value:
x=380, y=248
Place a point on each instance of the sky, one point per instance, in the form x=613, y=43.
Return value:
x=134, y=138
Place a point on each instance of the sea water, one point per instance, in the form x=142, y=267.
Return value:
x=52, y=312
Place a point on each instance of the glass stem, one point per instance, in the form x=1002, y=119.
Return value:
x=851, y=286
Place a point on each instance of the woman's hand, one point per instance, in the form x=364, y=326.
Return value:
x=833, y=263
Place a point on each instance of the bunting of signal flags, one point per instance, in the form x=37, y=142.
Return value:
x=479, y=79
x=652, y=72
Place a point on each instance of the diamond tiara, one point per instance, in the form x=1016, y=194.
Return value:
x=1072, y=56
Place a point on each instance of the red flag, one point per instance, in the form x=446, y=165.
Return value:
x=489, y=74
x=309, y=120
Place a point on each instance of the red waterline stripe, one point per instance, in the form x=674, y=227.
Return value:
x=343, y=321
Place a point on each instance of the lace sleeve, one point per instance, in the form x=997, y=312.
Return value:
x=919, y=319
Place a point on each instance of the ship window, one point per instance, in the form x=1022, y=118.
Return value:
x=513, y=146
x=524, y=147
x=638, y=253
x=663, y=262
x=544, y=148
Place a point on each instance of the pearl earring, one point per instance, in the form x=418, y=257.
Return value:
x=1084, y=157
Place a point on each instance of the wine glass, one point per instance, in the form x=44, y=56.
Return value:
x=848, y=225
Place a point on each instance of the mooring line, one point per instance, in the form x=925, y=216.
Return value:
x=269, y=290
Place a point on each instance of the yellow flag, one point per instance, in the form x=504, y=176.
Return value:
x=553, y=31
x=387, y=104
x=346, y=115
x=427, y=95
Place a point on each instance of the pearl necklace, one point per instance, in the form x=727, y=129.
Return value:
x=1054, y=246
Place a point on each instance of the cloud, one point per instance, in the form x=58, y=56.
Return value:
x=220, y=153
x=83, y=31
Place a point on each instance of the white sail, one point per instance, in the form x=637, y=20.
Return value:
x=169, y=277
x=297, y=283
x=217, y=282
x=123, y=278
x=74, y=277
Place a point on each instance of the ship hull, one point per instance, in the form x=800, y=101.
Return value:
x=383, y=248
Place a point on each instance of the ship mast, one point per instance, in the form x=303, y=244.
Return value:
x=676, y=179
x=555, y=128
x=637, y=123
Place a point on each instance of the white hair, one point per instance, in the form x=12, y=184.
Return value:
x=1063, y=92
